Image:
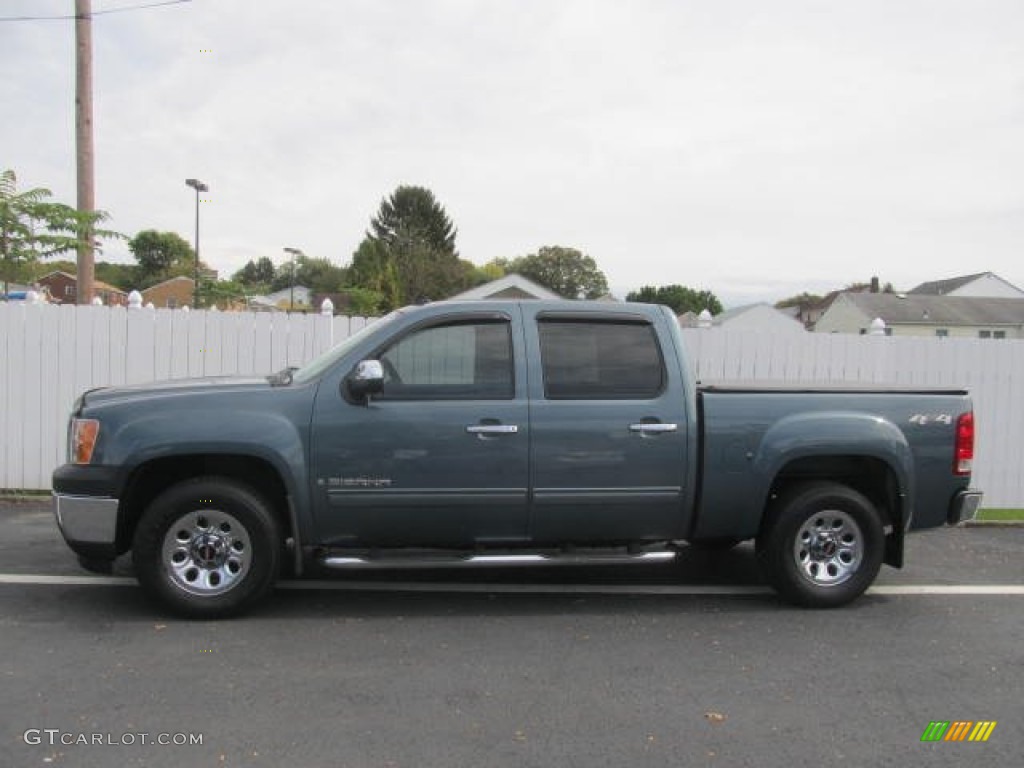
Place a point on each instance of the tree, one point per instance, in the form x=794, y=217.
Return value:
x=161, y=255
x=566, y=271
x=373, y=270
x=256, y=273
x=804, y=299
x=412, y=216
x=408, y=254
x=123, y=276
x=680, y=298
x=359, y=301
x=223, y=293
x=33, y=228
x=317, y=274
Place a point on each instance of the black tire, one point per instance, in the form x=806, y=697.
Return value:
x=822, y=545
x=94, y=565
x=207, y=548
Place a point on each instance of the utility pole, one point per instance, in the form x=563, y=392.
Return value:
x=84, y=146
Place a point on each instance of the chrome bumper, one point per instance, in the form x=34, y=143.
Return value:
x=86, y=519
x=964, y=507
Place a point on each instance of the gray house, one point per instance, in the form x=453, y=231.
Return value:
x=981, y=285
x=758, y=317
x=919, y=314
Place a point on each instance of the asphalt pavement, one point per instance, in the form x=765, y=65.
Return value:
x=693, y=663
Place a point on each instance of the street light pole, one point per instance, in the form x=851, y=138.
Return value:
x=198, y=186
x=294, y=252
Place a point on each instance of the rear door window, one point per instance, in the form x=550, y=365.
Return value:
x=606, y=360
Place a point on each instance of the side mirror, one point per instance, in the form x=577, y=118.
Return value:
x=366, y=380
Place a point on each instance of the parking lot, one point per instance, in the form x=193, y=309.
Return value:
x=695, y=663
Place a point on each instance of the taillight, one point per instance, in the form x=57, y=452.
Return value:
x=83, y=439
x=963, y=452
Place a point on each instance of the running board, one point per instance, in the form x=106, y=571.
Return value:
x=343, y=562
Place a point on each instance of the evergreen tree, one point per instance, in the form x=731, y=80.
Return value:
x=408, y=255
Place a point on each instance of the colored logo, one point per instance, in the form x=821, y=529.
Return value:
x=958, y=730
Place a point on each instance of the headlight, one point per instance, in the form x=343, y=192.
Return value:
x=83, y=439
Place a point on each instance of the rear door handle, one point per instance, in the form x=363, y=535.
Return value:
x=655, y=428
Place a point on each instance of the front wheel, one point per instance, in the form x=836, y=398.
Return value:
x=207, y=548
x=822, y=546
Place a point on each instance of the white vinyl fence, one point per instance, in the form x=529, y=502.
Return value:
x=50, y=354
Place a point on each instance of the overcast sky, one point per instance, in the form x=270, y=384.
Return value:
x=756, y=149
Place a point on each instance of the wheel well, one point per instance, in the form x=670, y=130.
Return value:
x=149, y=480
x=871, y=477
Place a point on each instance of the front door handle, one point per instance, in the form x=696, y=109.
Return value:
x=492, y=429
x=653, y=428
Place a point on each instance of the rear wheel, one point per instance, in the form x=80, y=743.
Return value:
x=823, y=545
x=207, y=548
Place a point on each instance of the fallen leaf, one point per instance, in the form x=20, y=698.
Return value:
x=715, y=717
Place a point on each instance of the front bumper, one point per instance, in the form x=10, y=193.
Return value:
x=85, y=505
x=964, y=506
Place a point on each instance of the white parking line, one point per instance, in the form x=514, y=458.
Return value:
x=555, y=589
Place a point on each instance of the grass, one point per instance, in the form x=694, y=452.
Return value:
x=1001, y=514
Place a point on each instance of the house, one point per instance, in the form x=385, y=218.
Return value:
x=925, y=315
x=508, y=287
x=283, y=299
x=63, y=289
x=172, y=294
x=758, y=317
x=981, y=285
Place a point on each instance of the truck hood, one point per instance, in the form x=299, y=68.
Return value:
x=173, y=388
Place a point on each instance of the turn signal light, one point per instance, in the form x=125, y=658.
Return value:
x=83, y=439
x=963, y=454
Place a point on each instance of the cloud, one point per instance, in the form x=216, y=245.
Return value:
x=774, y=146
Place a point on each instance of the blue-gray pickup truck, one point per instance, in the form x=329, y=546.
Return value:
x=503, y=433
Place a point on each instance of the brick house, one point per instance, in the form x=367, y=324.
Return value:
x=63, y=289
x=172, y=294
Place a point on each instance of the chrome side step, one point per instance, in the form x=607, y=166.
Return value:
x=370, y=562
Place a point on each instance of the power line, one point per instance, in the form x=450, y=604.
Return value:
x=95, y=13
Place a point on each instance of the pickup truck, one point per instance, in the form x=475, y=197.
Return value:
x=503, y=433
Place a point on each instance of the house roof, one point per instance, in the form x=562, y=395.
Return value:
x=179, y=278
x=510, y=286
x=74, y=278
x=926, y=309
x=943, y=287
x=762, y=309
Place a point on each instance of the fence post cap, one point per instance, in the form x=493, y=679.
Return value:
x=704, y=319
x=151, y=305
x=327, y=308
x=134, y=300
x=877, y=327
x=185, y=308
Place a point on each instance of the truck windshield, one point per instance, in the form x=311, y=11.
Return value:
x=322, y=362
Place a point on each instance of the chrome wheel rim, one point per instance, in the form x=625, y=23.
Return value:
x=829, y=548
x=207, y=552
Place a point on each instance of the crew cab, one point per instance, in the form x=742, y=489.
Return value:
x=504, y=433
